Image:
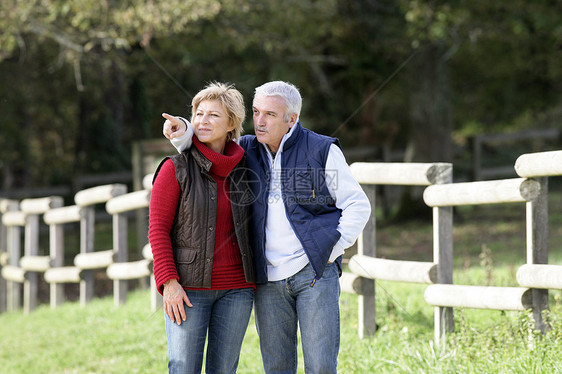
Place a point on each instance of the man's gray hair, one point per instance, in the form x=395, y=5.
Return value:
x=286, y=91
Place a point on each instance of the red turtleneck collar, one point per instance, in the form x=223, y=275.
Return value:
x=222, y=163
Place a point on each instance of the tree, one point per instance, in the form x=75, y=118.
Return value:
x=88, y=41
x=83, y=79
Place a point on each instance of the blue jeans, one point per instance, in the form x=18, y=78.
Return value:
x=281, y=306
x=224, y=314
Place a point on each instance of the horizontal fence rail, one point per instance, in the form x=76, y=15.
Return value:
x=480, y=193
x=393, y=270
x=542, y=164
x=353, y=283
x=396, y=173
x=478, y=297
x=540, y=276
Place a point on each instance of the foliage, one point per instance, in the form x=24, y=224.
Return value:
x=83, y=26
x=80, y=81
x=514, y=46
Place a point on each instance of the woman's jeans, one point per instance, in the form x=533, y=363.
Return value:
x=281, y=306
x=224, y=314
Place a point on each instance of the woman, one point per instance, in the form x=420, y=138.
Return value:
x=203, y=264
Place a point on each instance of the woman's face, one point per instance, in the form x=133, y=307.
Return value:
x=211, y=124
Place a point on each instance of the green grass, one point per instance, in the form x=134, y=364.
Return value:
x=102, y=338
x=489, y=245
x=97, y=339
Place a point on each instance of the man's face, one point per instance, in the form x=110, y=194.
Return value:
x=269, y=124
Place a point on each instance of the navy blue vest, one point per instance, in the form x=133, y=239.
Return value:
x=308, y=204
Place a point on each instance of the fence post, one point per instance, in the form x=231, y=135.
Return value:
x=13, y=236
x=3, y=244
x=443, y=255
x=87, y=223
x=537, y=247
x=121, y=255
x=31, y=244
x=56, y=251
x=5, y=206
x=367, y=246
x=33, y=209
x=155, y=297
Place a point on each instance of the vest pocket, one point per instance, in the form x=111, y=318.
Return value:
x=186, y=255
x=325, y=238
x=185, y=263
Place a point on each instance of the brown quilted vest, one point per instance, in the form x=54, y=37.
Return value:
x=193, y=241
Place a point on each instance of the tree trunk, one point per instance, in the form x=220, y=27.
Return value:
x=101, y=138
x=430, y=108
x=430, y=121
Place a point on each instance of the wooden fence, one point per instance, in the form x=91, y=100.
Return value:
x=539, y=139
x=365, y=265
x=19, y=273
x=534, y=278
x=23, y=270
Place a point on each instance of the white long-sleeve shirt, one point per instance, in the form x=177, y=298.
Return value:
x=283, y=250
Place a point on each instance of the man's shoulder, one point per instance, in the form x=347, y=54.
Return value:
x=320, y=138
x=247, y=141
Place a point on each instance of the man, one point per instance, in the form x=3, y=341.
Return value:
x=307, y=209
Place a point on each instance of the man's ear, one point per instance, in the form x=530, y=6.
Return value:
x=293, y=119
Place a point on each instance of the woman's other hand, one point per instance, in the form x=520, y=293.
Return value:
x=174, y=297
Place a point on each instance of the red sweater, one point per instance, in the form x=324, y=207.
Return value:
x=228, y=272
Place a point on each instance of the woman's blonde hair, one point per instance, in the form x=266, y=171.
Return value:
x=231, y=100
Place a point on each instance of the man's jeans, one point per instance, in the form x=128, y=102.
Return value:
x=281, y=305
x=225, y=314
